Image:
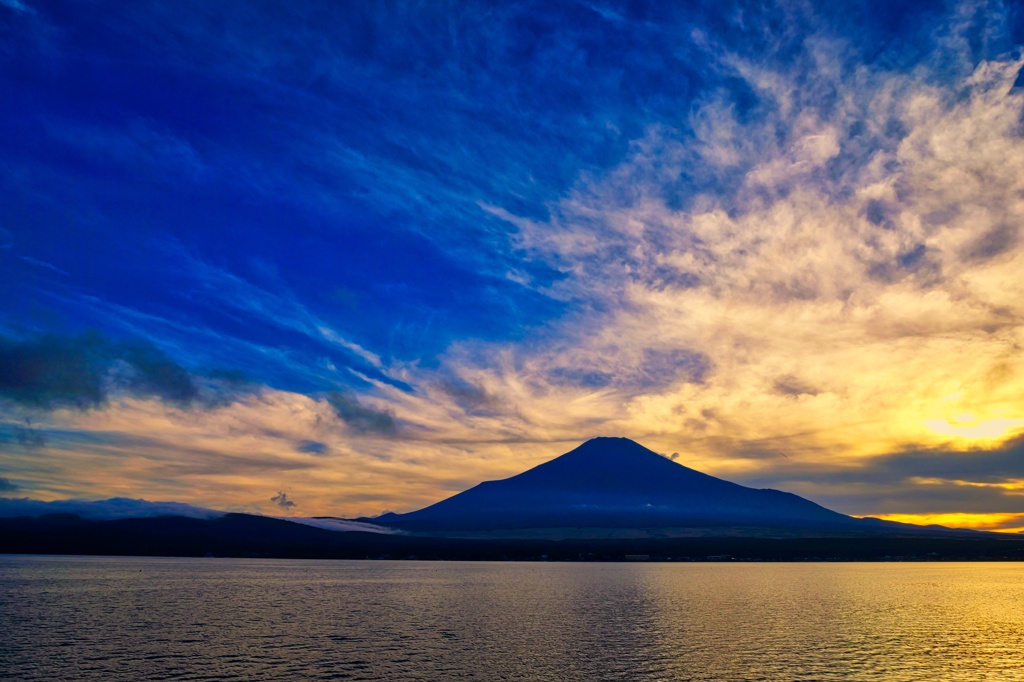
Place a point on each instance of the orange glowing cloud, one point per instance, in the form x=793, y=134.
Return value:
x=1000, y=523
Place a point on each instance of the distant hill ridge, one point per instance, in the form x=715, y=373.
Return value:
x=608, y=499
x=616, y=483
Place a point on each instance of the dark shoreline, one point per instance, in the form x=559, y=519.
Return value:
x=238, y=535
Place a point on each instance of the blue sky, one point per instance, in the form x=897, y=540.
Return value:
x=367, y=254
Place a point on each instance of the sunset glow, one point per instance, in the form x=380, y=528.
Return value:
x=306, y=262
x=999, y=523
x=968, y=427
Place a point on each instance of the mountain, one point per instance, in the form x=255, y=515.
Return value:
x=224, y=535
x=127, y=508
x=616, y=483
x=608, y=500
x=102, y=510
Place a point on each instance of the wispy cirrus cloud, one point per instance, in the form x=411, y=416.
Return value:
x=17, y=6
x=229, y=453
x=791, y=278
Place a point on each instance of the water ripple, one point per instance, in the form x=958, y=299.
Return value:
x=73, y=618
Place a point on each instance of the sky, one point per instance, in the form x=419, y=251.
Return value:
x=341, y=258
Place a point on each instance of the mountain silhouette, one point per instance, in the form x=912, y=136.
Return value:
x=616, y=483
x=609, y=499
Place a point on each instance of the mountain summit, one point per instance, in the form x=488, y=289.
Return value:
x=615, y=483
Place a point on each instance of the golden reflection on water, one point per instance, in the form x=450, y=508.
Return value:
x=143, y=619
x=851, y=621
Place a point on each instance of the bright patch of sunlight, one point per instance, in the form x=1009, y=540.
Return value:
x=969, y=427
x=1001, y=523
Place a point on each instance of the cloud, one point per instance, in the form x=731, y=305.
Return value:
x=834, y=236
x=86, y=371
x=42, y=264
x=982, y=467
x=470, y=397
x=282, y=501
x=934, y=481
x=17, y=6
x=831, y=276
x=360, y=418
x=995, y=242
x=342, y=525
x=312, y=447
x=793, y=386
x=28, y=437
x=569, y=376
x=138, y=145
x=53, y=371
x=277, y=306
x=1001, y=522
x=660, y=366
x=6, y=486
x=798, y=236
x=149, y=371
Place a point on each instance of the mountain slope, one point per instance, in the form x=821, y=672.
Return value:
x=614, y=483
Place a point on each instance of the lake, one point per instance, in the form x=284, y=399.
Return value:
x=119, y=618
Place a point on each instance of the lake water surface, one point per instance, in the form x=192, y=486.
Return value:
x=100, y=618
